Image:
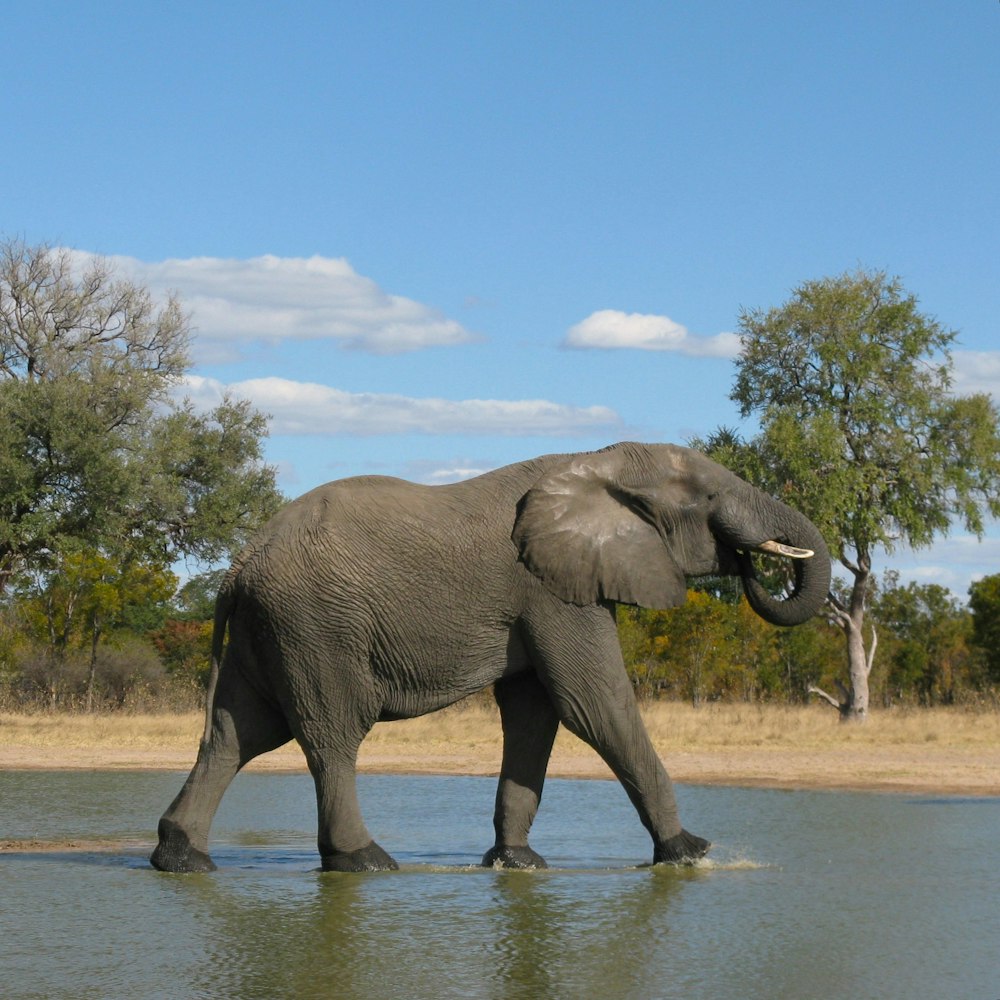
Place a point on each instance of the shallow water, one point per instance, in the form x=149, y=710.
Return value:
x=807, y=894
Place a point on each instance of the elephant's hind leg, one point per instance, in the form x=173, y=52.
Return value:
x=244, y=726
x=529, y=729
x=345, y=845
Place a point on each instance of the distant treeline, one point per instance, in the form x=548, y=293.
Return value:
x=928, y=648
x=100, y=636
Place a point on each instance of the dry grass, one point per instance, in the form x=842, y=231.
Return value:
x=815, y=727
x=77, y=731
x=475, y=725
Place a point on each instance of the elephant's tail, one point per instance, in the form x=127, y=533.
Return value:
x=225, y=601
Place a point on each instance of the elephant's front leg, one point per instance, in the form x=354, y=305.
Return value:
x=529, y=728
x=581, y=662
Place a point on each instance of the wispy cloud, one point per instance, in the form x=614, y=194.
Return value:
x=266, y=300
x=438, y=473
x=977, y=371
x=609, y=328
x=310, y=408
x=954, y=562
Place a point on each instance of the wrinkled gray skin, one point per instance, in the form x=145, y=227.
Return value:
x=371, y=599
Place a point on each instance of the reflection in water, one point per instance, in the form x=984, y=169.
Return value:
x=557, y=937
x=808, y=895
x=433, y=933
x=528, y=924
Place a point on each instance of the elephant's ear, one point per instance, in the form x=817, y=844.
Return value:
x=580, y=531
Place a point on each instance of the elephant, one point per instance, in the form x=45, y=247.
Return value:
x=372, y=599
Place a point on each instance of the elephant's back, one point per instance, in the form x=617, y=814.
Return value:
x=381, y=541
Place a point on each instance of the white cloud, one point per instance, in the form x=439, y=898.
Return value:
x=440, y=472
x=310, y=408
x=451, y=474
x=269, y=299
x=977, y=371
x=609, y=328
x=954, y=562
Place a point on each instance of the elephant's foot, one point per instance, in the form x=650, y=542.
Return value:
x=513, y=857
x=683, y=849
x=175, y=853
x=366, y=859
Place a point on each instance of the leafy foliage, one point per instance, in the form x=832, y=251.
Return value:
x=195, y=600
x=94, y=450
x=926, y=641
x=93, y=632
x=860, y=427
x=860, y=430
x=106, y=479
x=709, y=649
x=984, y=600
x=185, y=646
x=86, y=595
x=715, y=650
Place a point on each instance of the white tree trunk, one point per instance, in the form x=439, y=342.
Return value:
x=853, y=703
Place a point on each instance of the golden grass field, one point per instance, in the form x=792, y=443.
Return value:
x=939, y=751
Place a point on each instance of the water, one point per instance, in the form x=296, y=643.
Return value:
x=808, y=894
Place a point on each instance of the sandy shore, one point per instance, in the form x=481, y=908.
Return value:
x=932, y=755
x=942, y=771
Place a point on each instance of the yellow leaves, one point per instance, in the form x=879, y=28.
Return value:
x=87, y=592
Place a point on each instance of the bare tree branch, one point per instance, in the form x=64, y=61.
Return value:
x=812, y=689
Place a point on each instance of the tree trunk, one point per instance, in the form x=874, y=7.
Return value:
x=853, y=703
x=91, y=674
x=859, y=666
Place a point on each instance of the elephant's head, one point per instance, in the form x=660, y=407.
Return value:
x=631, y=522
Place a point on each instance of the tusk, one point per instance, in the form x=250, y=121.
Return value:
x=778, y=548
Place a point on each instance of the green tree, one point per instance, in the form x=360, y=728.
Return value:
x=696, y=646
x=928, y=640
x=984, y=602
x=184, y=639
x=85, y=597
x=95, y=453
x=755, y=673
x=635, y=636
x=861, y=431
x=808, y=655
x=195, y=601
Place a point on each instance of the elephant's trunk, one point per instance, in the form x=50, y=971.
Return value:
x=797, y=538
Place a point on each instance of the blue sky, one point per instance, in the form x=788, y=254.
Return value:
x=431, y=238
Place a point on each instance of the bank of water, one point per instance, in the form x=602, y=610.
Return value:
x=807, y=894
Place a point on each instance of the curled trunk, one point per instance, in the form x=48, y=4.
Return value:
x=811, y=577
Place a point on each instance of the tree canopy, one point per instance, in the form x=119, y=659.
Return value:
x=96, y=451
x=984, y=601
x=853, y=387
x=861, y=430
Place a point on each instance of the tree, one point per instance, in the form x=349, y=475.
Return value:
x=84, y=598
x=928, y=639
x=95, y=452
x=807, y=656
x=860, y=431
x=984, y=602
x=195, y=601
x=703, y=649
x=186, y=648
x=184, y=640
